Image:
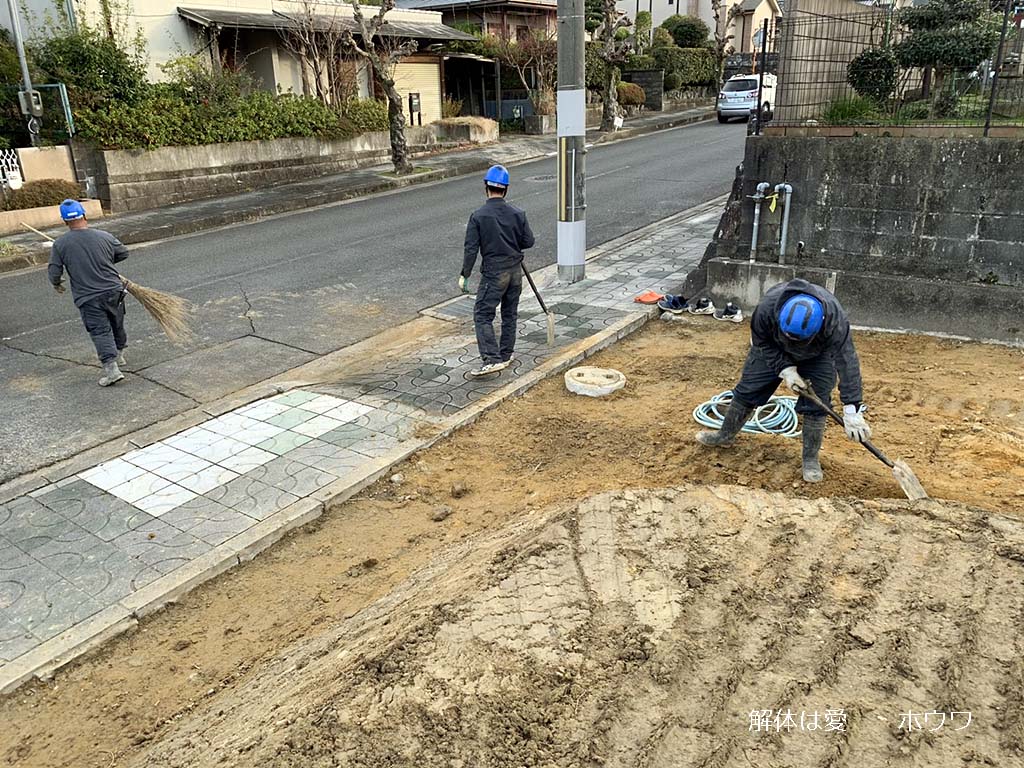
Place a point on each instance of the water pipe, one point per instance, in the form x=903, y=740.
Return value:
x=787, y=201
x=758, y=198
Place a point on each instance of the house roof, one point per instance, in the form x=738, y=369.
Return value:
x=749, y=6
x=440, y=5
x=227, y=17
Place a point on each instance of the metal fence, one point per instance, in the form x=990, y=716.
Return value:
x=822, y=56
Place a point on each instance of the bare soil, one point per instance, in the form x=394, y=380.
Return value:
x=324, y=651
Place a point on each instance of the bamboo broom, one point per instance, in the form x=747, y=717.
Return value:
x=172, y=313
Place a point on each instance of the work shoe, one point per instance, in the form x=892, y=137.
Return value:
x=730, y=313
x=813, y=432
x=121, y=358
x=702, y=306
x=488, y=368
x=111, y=374
x=735, y=418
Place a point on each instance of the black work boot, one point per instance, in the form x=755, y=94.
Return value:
x=735, y=417
x=813, y=431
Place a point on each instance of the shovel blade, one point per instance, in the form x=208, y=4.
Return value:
x=908, y=481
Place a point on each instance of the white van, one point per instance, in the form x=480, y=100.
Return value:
x=739, y=96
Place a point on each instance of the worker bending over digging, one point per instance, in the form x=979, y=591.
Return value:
x=800, y=334
x=89, y=256
x=500, y=233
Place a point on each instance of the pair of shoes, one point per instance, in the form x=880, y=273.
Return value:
x=674, y=304
x=111, y=374
x=702, y=306
x=488, y=368
x=730, y=313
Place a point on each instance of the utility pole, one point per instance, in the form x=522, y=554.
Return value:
x=572, y=136
x=31, y=103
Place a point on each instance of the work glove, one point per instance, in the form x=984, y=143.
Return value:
x=855, y=424
x=793, y=379
x=59, y=288
x=463, y=284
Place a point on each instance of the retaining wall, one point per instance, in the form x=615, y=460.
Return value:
x=134, y=180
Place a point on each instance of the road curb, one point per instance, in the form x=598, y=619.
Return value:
x=44, y=660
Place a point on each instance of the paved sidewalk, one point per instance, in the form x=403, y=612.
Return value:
x=85, y=557
x=199, y=215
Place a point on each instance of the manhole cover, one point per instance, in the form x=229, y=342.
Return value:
x=552, y=177
x=594, y=382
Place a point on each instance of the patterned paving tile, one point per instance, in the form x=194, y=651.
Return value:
x=251, y=497
x=291, y=418
x=207, y=479
x=326, y=457
x=284, y=442
x=111, y=474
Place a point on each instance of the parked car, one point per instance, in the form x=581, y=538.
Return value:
x=738, y=97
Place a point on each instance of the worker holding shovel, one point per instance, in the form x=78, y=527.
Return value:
x=500, y=233
x=800, y=334
x=88, y=256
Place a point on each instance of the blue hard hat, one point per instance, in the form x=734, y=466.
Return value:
x=497, y=176
x=70, y=210
x=801, y=316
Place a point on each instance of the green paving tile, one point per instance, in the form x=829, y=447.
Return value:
x=296, y=397
x=284, y=442
x=291, y=418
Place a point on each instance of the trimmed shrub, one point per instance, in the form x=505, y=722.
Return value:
x=631, y=95
x=695, y=66
x=165, y=120
x=673, y=82
x=662, y=38
x=641, y=62
x=36, y=194
x=596, y=67
x=872, y=73
x=687, y=31
x=367, y=114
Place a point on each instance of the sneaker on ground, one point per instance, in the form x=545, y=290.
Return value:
x=702, y=306
x=731, y=313
x=111, y=374
x=122, y=359
x=489, y=368
x=674, y=304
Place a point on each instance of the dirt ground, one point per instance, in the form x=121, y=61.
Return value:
x=500, y=650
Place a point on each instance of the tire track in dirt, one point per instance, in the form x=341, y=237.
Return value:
x=638, y=630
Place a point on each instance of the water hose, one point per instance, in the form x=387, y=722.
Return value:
x=776, y=417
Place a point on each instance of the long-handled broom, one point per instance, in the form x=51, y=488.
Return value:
x=543, y=307
x=172, y=313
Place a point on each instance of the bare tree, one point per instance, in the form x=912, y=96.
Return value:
x=315, y=34
x=382, y=53
x=536, y=53
x=613, y=52
x=724, y=15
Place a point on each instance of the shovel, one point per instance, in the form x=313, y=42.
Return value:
x=900, y=469
x=543, y=307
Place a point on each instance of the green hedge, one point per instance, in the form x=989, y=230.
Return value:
x=36, y=194
x=631, y=95
x=596, y=67
x=165, y=120
x=695, y=66
x=367, y=114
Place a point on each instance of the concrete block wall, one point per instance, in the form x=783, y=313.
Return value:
x=135, y=180
x=931, y=208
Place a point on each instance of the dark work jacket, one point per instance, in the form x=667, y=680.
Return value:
x=499, y=232
x=834, y=339
x=89, y=256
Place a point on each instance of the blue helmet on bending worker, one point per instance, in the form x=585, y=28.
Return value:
x=801, y=317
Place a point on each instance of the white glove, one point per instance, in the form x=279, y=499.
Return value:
x=463, y=284
x=793, y=379
x=855, y=424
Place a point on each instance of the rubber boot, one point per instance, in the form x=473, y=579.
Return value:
x=111, y=374
x=735, y=417
x=814, y=431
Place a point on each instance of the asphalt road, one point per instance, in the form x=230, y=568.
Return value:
x=280, y=292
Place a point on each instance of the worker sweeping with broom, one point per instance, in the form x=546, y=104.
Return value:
x=500, y=233
x=800, y=335
x=88, y=256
